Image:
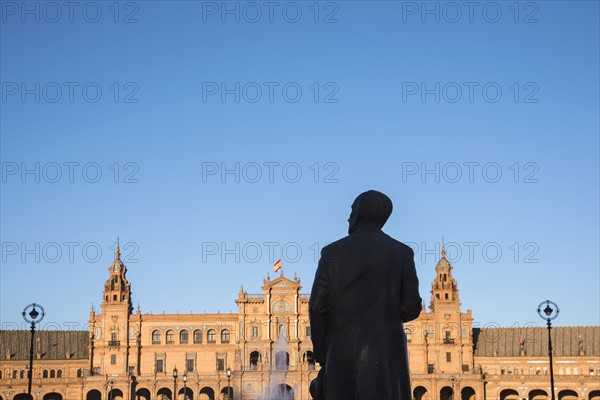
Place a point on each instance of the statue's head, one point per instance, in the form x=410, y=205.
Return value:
x=371, y=207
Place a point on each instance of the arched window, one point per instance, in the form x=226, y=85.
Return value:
x=22, y=374
x=59, y=373
x=197, y=336
x=170, y=337
x=183, y=337
x=0, y=374
x=309, y=357
x=568, y=370
x=156, y=337
x=575, y=371
x=224, y=336
x=45, y=374
x=211, y=336
x=15, y=374
x=408, y=335
x=79, y=373
x=254, y=360
x=52, y=373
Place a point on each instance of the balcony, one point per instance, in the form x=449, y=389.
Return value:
x=448, y=340
x=114, y=343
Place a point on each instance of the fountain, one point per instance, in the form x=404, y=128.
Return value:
x=277, y=388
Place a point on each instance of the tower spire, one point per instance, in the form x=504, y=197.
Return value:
x=118, y=250
x=443, y=248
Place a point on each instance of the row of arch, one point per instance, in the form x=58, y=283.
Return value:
x=539, y=394
x=282, y=359
x=446, y=393
x=47, y=396
x=22, y=374
x=468, y=393
x=184, y=336
x=206, y=393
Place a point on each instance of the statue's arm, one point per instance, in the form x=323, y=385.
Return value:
x=411, y=299
x=318, y=308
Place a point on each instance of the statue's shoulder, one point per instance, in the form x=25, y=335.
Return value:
x=402, y=246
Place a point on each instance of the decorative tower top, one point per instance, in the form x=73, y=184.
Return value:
x=444, y=288
x=117, y=290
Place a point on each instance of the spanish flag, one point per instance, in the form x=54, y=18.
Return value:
x=277, y=265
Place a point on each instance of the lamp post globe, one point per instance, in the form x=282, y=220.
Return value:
x=32, y=316
x=548, y=311
x=228, y=383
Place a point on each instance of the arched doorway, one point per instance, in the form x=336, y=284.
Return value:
x=189, y=394
x=93, y=395
x=282, y=360
x=446, y=393
x=420, y=393
x=594, y=395
x=164, y=394
x=509, y=394
x=142, y=394
x=21, y=396
x=227, y=393
x=282, y=392
x=309, y=357
x=567, y=395
x=538, y=394
x=207, y=393
x=53, y=396
x=115, y=394
x=254, y=360
x=467, y=393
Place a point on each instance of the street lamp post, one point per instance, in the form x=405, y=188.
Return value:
x=549, y=313
x=175, y=383
x=228, y=383
x=185, y=385
x=32, y=316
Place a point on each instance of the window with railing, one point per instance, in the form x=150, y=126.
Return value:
x=183, y=337
x=156, y=337
x=211, y=336
x=170, y=337
x=225, y=336
x=114, y=340
x=197, y=336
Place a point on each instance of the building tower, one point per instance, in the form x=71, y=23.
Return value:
x=110, y=332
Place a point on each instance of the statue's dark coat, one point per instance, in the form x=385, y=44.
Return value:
x=365, y=287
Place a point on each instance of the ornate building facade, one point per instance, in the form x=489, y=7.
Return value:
x=266, y=348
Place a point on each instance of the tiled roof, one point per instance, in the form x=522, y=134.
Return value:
x=53, y=345
x=567, y=341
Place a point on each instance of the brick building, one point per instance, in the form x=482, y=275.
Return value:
x=266, y=346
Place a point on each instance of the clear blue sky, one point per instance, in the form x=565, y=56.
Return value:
x=369, y=96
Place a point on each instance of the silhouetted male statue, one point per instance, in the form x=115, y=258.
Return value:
x=365, y=287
